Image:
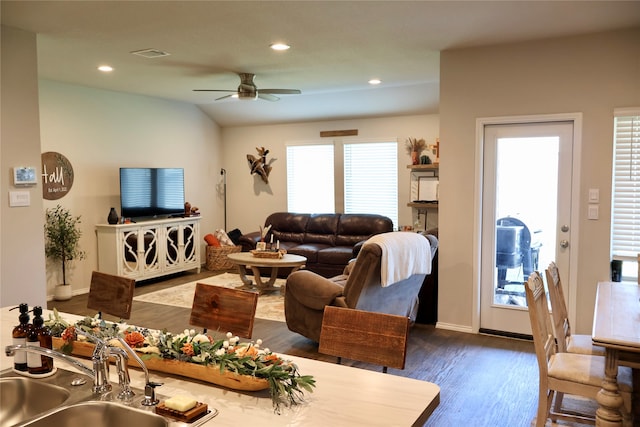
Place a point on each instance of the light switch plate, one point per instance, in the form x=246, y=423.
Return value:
x=593, y=212
x=19, y=198
x=594, y=195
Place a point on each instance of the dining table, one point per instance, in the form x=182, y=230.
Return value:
x=616, y=327
x=343, y=396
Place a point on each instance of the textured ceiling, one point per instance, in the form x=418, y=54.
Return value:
x=337, y=46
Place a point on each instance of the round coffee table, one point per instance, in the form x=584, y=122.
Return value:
x=246, y=259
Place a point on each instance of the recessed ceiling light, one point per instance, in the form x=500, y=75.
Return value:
x=279, y=46
x=375, y=81
x=105, y=68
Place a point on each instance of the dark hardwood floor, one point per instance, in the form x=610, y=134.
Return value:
x=484, y=380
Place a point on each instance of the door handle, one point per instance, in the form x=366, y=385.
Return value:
x=564, y=244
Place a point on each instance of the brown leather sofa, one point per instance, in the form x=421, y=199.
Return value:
x=326, y=240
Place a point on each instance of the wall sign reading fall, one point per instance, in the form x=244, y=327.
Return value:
x=57, y=175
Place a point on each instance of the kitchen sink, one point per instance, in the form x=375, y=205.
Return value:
x=66, y=399
x=98, y=414
x=23, y=398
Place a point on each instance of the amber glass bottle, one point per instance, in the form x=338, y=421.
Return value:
x=19, y=335
x=39, y=336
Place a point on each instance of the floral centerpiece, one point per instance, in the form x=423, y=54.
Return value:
x=228, y=354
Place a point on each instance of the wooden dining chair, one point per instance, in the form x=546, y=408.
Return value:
x=224, y=309
x=570, y=373
x=111, y=294
x=365, y=336
x=567, y=342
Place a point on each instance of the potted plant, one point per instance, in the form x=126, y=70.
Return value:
x=62, y=238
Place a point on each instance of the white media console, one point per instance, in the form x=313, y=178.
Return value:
x=149, y=249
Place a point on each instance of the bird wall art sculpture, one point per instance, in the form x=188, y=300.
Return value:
x=259, y=165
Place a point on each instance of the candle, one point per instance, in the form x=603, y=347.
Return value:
x=271, y=239
x=278, y=244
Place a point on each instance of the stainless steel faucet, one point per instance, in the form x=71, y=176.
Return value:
x=149, y=386
x=100, y=372
x=100, y=359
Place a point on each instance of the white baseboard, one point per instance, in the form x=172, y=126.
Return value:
x=453, y=327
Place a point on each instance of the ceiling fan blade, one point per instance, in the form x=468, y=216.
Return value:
x=225, y=97
x=267, y=96
x=214, y=90
x=281, y=91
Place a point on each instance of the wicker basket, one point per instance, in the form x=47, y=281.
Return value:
x=217, y=257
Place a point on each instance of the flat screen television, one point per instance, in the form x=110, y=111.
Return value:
x=151, y=192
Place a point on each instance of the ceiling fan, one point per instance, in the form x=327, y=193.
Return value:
x=248, y=90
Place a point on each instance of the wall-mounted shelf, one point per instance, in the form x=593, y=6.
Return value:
x=428, y=173
x=433, y=166
x=423, y=205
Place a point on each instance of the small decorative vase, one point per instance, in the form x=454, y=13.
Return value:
x=112, y=218
x=415, y=158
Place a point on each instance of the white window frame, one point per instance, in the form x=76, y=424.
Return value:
x=339, y=167
x=625, y=193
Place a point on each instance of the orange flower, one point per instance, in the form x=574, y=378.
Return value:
x=134, y=339
x=272, y=358
x=247, y=351
x=187, y=349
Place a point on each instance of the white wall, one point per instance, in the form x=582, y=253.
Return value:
x=100, y=131
x=250, y=200
x=590, y=74
x=22, y=273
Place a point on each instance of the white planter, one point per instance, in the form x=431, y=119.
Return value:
x=62, y=293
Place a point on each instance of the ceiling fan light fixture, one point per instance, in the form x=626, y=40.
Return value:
x=244, y=96
x=280, y=46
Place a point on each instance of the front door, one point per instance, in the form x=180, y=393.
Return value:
x=526, y=214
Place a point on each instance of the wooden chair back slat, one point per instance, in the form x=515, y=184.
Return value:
x=111, y=294
x=365, y=336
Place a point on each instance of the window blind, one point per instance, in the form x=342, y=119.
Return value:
x=310, y=182
x=371, y=179
x=625, y=227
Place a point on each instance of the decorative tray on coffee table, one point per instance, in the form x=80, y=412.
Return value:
x=268, y=254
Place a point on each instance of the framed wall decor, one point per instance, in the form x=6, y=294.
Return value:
x=428, y=188
x=57, y=175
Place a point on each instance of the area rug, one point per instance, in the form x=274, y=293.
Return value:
x=270, y=306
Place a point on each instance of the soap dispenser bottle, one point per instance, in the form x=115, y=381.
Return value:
x=19, y=335
x=39, y=336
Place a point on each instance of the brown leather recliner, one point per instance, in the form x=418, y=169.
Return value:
x=359, y=287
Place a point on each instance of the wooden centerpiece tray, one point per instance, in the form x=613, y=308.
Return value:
x=207, y=373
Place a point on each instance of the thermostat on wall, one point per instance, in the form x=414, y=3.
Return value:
x=24, y=176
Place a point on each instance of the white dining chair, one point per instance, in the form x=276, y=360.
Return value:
x=570, y=373
x=567, y=342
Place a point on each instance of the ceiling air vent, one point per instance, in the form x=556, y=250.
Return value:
x=150, y=53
